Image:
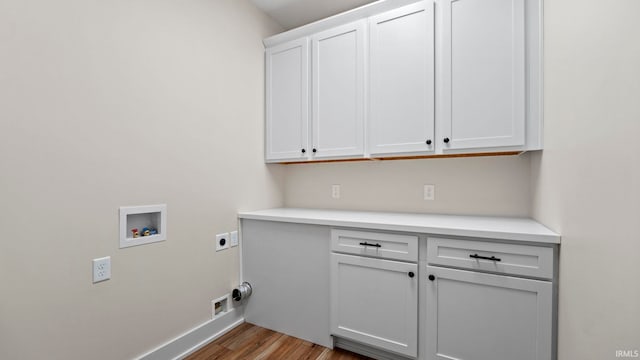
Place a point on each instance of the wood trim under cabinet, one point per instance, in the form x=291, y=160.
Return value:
x=442, y=156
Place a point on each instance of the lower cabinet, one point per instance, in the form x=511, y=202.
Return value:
x=479, y=316
x=363, y=290
x=375, y=302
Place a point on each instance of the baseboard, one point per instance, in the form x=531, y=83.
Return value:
x=194, y=339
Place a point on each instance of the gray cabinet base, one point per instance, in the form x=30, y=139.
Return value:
x=366, y=350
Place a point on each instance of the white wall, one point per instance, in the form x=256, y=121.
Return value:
x=585, y=184
x=105, y=104
x=481, y=186
x=112, y=103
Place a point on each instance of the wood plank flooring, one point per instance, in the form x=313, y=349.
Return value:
x=248, y=341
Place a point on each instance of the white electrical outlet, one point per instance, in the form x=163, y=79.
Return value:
x=222, y=241
x=429, y=192
x=335, y=191
x=233, y=238
x=101, y=269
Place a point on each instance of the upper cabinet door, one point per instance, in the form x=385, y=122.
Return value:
x=482, y=91
x=401, y=117
x=338, y=91
x=287, y=101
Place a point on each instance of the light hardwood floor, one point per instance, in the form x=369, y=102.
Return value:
x=252, y=342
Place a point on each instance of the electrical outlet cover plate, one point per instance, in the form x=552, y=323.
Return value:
x=233, y=238
x=101, y=269
x=429, y=192
x=335, y=191
x=222, y=241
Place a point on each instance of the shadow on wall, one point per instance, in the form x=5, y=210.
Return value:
x=479, y=186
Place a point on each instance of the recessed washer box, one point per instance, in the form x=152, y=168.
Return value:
x=152, y=217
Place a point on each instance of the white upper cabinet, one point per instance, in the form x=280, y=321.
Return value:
x=287, y=101
x=401, y=81
x=407, y=78
x=338, y=91
x=482, y=57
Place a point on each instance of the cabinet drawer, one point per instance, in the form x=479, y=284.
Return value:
x=382, y=245
x=524, y=260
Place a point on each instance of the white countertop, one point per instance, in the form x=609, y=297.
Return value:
x=502, y=228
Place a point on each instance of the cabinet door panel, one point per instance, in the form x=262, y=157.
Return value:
x=401, y=117
x=375, y=302
x=484, y=73
x=287, y=99
x=476, y=316
x=338, y=87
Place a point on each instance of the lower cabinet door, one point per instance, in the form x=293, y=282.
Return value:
x=375, y=302
x=477, y=316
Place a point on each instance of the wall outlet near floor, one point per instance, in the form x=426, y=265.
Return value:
x=233, y=238
x=222, y=241
x=101, y=269
x=220, y=306
x=429, y=192
x=335, y=191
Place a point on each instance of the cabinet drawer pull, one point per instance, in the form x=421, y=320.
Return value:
x=367, y=244
x=492, y=258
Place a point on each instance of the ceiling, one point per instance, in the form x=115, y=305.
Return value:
x=294, y=13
